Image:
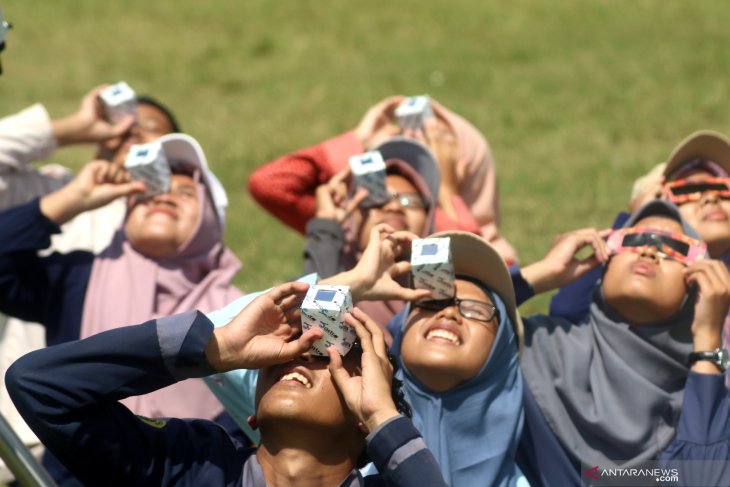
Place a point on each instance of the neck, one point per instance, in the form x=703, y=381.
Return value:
x=306, y=458
x=436, y=379
x=639, y=312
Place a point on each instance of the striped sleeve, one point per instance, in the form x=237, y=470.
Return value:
x=401, y=455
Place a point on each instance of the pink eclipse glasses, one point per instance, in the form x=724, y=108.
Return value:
x=675, y=246
x=685, y=190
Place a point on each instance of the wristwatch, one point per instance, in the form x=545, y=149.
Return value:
x=719, y=357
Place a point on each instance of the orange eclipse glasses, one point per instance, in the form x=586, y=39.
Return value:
x=685, y=190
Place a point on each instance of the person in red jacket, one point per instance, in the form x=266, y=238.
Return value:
x=286, y=186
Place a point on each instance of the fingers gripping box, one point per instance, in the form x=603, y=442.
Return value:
x=369, y=172
x=147, y=162
x=325, y=307
x=413, y=110
x=431, y=266
x=119, y=101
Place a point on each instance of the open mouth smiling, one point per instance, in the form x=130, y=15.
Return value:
x=443, y=335
x=296, y=377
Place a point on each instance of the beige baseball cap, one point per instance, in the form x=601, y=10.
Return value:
x=703, y=144
x=183, y=147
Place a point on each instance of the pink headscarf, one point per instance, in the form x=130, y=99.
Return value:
x=128, y=287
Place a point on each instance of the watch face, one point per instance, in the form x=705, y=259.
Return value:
x=723, y=358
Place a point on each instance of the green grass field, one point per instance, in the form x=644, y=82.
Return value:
x=577, y=98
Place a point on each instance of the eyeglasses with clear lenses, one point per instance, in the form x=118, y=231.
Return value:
x=412, y=201
x=468, y=308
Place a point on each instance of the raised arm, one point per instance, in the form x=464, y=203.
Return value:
x=75, y=411
x=701, y=449
x=68, y=394
x=31, y=135
x=561, y=265
x=286, y=186
x=395, y=446
x=97, y=184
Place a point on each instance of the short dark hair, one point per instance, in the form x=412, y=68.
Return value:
x=148, y=100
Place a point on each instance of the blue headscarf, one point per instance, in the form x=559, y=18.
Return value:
x=473, y=429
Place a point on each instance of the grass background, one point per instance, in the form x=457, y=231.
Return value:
x=577, y=98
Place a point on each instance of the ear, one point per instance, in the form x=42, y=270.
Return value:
x=252, y=422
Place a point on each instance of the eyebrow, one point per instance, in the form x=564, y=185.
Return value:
x=184, y=185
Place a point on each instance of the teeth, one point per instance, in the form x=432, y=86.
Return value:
x=448, y=335
x=297, y=377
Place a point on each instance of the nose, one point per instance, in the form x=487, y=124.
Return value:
x=451, y=312
x=393, y=203
x=135, y=133
x=709, y=197
x=165, y=198
x=306, y=357
x=649, y=252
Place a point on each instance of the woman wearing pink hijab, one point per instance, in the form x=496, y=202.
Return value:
x=286, y=186
x=167, y=257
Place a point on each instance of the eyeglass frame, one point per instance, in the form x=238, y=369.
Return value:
x=438, y=305
x=398, y=197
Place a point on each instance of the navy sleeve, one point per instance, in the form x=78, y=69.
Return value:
x=523, y=289
x=323, y=251
x=540, y=456
x=400, y=454
x=68, y=395
x=573, y=301
x=701, y=448
x=23, y=279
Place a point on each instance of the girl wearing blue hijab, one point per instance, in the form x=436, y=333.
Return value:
x=460, y=370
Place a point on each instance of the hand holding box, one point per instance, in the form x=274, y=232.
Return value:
x=119, y=101
x=412, y=112
x=325, y=307
x=431, y=266
x=148, y=163
x=369, y=172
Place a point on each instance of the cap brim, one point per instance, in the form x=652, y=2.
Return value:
x=182, y=147
x=665, y=208
x=704, y=144
x=416, y=155
x=473, y=256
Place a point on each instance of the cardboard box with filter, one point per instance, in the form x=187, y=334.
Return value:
x=147, y=162
x=369, y=172
x=119, y=101
x=431, y=266
x=325, y=307
x=413, y=111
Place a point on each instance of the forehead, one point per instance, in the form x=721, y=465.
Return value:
x=468, y=289
x=400, y=183
x=657, y=222
x=181, y=179
x=696, y=174
x=145, y=111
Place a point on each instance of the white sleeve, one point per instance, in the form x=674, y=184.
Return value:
x=25, y=137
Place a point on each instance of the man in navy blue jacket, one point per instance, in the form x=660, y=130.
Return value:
x=313, y=414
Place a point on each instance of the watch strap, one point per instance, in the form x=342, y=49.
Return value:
x=719, y=357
